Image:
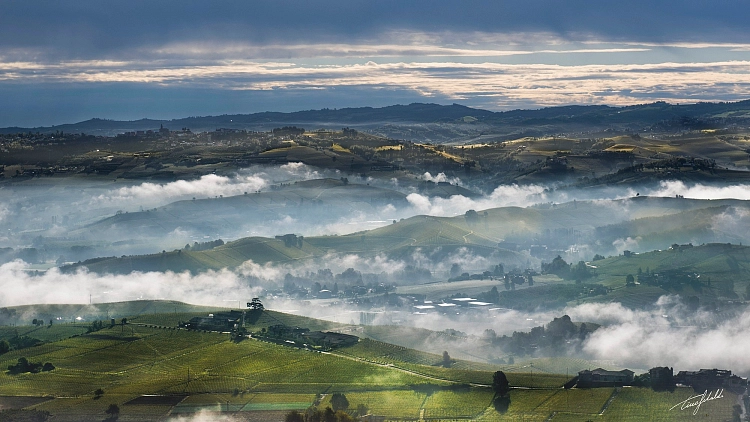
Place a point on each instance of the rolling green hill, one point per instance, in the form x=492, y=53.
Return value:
x=158, y=372
x=655, y=221
x=707, y=271
x=309, y=199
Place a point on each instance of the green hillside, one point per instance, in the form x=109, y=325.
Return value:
x=23, y=315
x=654, y=221
x=707, y=271
x=154, y=372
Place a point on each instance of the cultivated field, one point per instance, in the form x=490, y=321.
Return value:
x=154, y=371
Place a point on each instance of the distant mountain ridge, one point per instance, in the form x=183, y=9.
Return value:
x=662, y=114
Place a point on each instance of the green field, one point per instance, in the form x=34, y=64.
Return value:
x=151, y=371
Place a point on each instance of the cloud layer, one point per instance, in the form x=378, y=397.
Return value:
x=67, y=60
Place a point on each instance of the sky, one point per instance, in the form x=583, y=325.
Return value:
x=71, y=60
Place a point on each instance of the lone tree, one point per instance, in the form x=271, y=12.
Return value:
x=500, y=384
x=339, y=402
x=256, y=310
x=256, y=305
x=501, y=387
x=447, y=361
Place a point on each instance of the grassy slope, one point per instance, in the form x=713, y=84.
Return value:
x=304, y=196
x=727, y=266
x=425, y=231
x=256, y=376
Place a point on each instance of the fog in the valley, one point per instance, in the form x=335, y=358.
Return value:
x=22, y=287
x=51, y=222
x=47, y=223
x=77, y=219
x=666, y=333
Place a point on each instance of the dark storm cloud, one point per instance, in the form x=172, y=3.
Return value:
x=86, y=28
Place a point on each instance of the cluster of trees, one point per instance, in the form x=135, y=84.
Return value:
x=349, y=283
x=23, y=366
x=204, y=246
x=338, y=411
x=95, y=326
x=18, y=342
x=544, y=296
x=288, y=131
x=457, y=274
x=562, y=269
x=39, y=322
x=511, y=279
x=560, y=335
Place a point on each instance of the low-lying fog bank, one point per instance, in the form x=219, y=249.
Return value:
x=666, y=333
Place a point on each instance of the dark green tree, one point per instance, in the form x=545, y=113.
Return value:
x=447, y=361
x=493, y=296
x=500, y=384
x=339, y=402
x=294, y=416
x=472, y=217
x=329, y=415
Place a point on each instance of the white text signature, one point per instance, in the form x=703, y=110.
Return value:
x=698, y=400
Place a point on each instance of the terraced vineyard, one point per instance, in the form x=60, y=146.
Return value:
x=152, y=373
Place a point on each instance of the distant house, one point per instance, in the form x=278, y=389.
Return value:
x=325, y=294
x=291, y=240
x=282, y=331
x=602, y=378
x=710, y=378
x=222, y=321
x=327, y=339
x=662, y=378
x=331, y=339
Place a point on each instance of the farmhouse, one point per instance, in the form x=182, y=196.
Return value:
x=331, y=339
x=223, y=321
x=328, y=339
x=281, y=330
x=602, y=378
x=710, y=378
